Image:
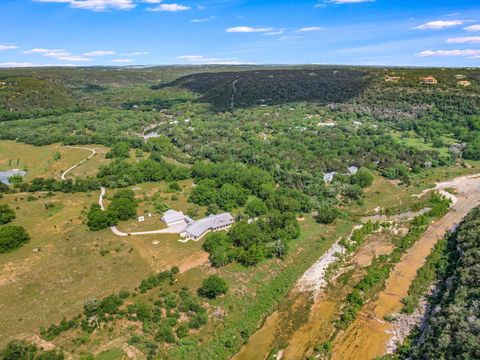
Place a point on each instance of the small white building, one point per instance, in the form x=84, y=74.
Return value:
x=328, y=177
x=172, y=217
x=352, y=170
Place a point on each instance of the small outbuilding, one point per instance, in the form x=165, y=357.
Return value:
x=352, y=170
x=464, y=83
x=429, y=80
x=328, y=177
x=172, y=217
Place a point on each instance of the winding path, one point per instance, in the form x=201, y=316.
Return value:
x=176, y=229
x=232, y=99
x=64, y=174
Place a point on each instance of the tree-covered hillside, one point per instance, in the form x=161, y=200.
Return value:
x=229, y=90
x=452, y=330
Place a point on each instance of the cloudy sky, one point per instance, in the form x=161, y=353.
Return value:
x=138, y=32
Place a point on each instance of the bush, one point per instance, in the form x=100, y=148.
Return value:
x=363, y=177
x=6, y=214
x=212, y=287
x=12, y=237
x=327, y=214
x=21, y=350
x=98, y=219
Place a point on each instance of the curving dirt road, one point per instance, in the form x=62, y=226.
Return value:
x=64, y=174
x=234, y=88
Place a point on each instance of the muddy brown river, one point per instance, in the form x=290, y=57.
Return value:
x=367, y=337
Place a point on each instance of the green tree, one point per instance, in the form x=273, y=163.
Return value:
x=231, y=196
x=124, y=208
x=363, y=178
x=6, y=214
x=119, y=150
x=12, y=237
x=212, y=287
x=256, y=207
x=252, y=255
x=203, y=193
x=98, y=219
x=327, y=214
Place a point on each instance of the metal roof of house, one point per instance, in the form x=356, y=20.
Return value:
x=171, y=216
x=352, y=169
x=208, y=223
x=329, y=176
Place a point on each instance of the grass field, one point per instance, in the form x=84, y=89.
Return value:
x=39, y=161
x=410, y=139
x=74, y=264
x=90, y=167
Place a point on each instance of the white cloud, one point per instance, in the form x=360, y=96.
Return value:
x=275, y=32
x=349, y=1
x=16, y=64
x=96, y=5
x=464, y=40
x=170, y=7
x=122, y=60
x=200, y=59
x=8, y=47
x=472, y=28
x=210, y=18
x=310, y=28
x=291, y=37
x=469, y=52
x=74, y=58
x=248, y=29
x=136, y=53
x=28, y=64
x=56, y=54
x=42, y=51
x=439, y=24
x=100, y=53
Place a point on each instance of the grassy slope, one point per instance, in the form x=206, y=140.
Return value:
x=40, y=161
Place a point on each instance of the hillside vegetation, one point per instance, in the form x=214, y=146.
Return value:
x=268, y=87
x=452, y=329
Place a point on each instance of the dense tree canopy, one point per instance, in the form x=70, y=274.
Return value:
x=12, y=237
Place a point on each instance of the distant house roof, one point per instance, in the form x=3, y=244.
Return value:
x=352, y=170
x=172, y=216
x=328, y=177
x=392, y=78
x=209, y=223
x=464, y=83
x=429, y=80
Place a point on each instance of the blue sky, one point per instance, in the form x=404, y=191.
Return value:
x=150, y=32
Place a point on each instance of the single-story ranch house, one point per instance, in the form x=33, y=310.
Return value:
x=195, y=230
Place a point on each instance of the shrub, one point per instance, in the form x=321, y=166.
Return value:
x=6, y=214
x=12, y=237
x=327, y=214
x=212, y=287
